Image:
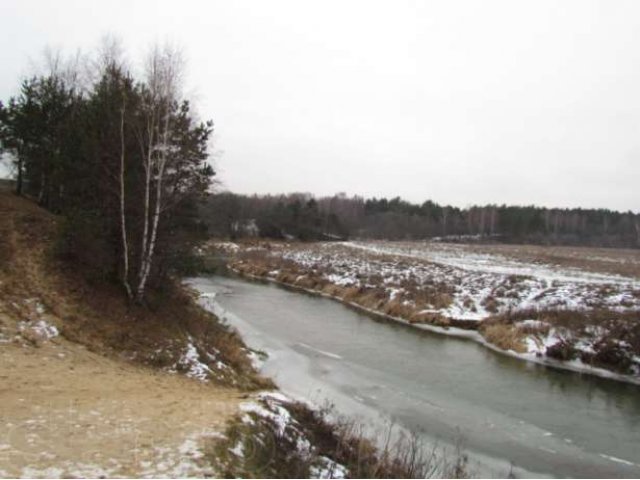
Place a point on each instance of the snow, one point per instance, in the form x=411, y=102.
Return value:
x=537, y=344
x=470, y=280
x=277, y=414
x=342, y=280
x=533, y=323
x=227, y=246
x=185, y=461
x=328, y=469
x=457, y=256
x=40, y=328
x=238, y=450
x=272, y=406
x=191, y=364
x=194, y=368
x=68, y=469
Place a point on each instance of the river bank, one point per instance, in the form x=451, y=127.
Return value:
x=579, y=326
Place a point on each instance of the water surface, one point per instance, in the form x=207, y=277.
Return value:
x=542, y=420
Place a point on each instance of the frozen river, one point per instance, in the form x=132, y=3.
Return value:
x=543, y=421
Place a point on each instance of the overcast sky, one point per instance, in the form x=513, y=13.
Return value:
x=458, y=101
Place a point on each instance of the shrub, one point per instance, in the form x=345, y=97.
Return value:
x=504, y=336
x=563, y=350
x=611, y=355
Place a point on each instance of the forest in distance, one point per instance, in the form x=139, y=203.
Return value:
x=303, y=216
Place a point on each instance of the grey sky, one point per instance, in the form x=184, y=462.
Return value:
x=458, y=101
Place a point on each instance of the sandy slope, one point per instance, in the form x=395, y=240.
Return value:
x=65, y=411
x=69, y=412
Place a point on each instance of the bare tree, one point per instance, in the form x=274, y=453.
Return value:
x=164, y=69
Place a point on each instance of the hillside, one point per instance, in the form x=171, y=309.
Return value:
x=86, y=386
x=95, y=386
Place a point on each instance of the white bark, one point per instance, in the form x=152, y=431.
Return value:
x=148, y=166
x=163, y=75
x=123, y=223
x=156, y=214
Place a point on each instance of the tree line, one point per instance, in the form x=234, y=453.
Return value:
x=122, y=158
x=303, y=216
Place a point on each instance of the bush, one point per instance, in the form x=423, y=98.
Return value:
x=562, y=350
x=611, y=355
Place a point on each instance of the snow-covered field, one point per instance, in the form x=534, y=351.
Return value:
x=477, y=286
x=538, y=302
x=461, y=257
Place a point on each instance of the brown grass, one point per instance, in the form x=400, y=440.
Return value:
x=98, y=315
x=269, y=452
x=259, y=263
x=608, y=330
x=504, y=336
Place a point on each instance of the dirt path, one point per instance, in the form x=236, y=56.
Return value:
x=69, y=412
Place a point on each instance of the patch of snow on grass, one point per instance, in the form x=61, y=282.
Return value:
x=40, y=330
x=342, y=280
x=191, y=364
x=277, y=414
x=69, y=470
x=457, y=256
x=475, y=293
x=238, y=449
x=328, y=469
x=185, y=461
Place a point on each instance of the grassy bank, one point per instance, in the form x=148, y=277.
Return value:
x=591, y=327
x=276, y=437
x=171, y=332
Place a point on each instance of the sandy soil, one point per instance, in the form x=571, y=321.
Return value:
x=69, y=412
x=66, y=411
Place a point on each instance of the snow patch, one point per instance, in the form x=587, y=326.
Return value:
x=38, y=330
x=328, y=469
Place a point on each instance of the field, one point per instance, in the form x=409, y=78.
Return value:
x=605, y=261
x=579, y=306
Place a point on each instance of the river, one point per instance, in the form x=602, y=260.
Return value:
x=543, y=421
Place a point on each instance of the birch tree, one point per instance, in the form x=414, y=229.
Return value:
x=123, y=217
x=163, y=75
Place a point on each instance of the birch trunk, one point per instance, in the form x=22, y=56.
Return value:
x=152, y=242
x=146, y=268
x=123, y=223
x=163, y=75
x=147, y=187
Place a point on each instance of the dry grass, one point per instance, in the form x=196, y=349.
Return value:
x=258, y=263
x=615, y=336
x=98, y=315
x=269, y=451
x=504, y=336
